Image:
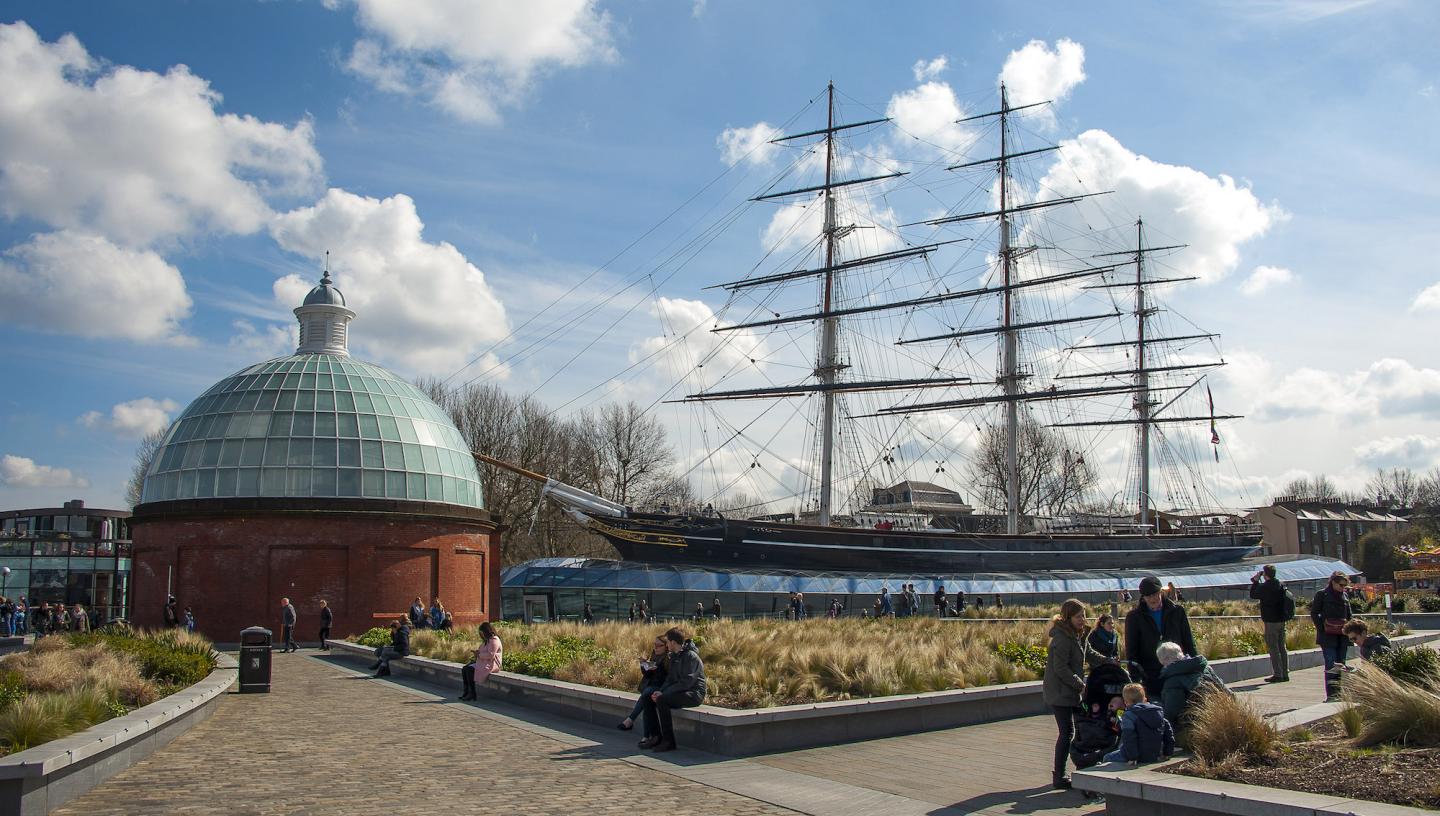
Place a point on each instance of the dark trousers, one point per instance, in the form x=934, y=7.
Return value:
x=324, y=634
x=645, y=691
x=1334, y=648
x=1065, y=722
x=289, y=633
x=657, y=713
x=467, y=679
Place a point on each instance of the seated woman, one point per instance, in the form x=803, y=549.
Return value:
x=448, y=624
x=684, y=688
x=652, y=677
x=1182, y=678
x=486, y=661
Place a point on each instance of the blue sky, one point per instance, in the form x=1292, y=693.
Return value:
x=465, y=163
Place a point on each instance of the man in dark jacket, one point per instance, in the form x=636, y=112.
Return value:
x=326, y=618
x=1153, y=621
x=287, y=625
x=684, y=688
x=399, y=647
x=1275, y=612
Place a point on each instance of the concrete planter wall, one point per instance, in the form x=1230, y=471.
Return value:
x=37, y=780
x=746, y=732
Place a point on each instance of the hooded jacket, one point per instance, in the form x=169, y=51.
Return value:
x=1376, y=644
x=1142, y=638
x=1065, y=666
x=686, y=672
x=1270, y=592
x=1180, y=679
x=1145, y=733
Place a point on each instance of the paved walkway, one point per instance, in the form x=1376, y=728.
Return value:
x=331, y=740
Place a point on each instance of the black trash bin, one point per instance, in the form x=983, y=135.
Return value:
x=255, y=660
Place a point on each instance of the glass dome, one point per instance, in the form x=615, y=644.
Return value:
x=314, y=425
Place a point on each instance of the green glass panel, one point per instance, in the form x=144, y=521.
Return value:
x=304, y=424
x=324, y=453
x=225, y=481
x=344, y=401
x=394, y=455
x=324, y=382
x=372, y=483
x=305, y=401
x=416, y=486
x=298, y=482
x=286, y=401
x=369, y=426
x=407, y=429
x=348, y=425
x=280, y=423
x=324, y=423
x=364, y=404
x=210, y=454
x=431, y=460
x=433, y=489
x=301, y=452
x=230, y=454
x=349, y=484
x=413, y=460
x=253, y=453
x=275, y=452
x=371, y=454
x=395, y=484
x=324, y=400
x=388, y=429
x=349, y=452
x=205, y=483
x=272, y=482
x=249, y=483
x=322, y=481
x=259, y=424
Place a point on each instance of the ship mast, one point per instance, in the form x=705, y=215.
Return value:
x=1010, y=372
x=1142, y=377
x=825, y=364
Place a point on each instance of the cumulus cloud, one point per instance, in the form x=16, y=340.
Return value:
x=83, y=284
x=1214, y=215
x=1039, y=73
x=688, y=340
x=929, y=112
x=18, y=471
x=1413, y=451
x=1265, y=278
x=421, y=304
x=471, y=58
x=269, y=340
x=1388, y=388
x=1428, y=300
x=135, y=418
x=134, y=155
x=929, y=69
x=748, y=144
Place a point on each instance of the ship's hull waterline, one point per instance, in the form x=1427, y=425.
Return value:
x=704, y=541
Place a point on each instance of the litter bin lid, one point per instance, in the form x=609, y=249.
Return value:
x=255, y=634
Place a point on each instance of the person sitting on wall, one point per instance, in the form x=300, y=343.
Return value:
x=485, y=662
x=684, y=688
x=447, y=624
x=1183, y=679
x=652, y=677
x=417, y=613
x=399, y=647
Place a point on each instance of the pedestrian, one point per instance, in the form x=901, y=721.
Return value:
x=1182, y=677
x=172, y=613
x=632, y=611
x=587, y=614
x=1154, y=620
x=448, y=624
x=22, y=616
x=417, y=612
x=399, y=647
x=327, y=617
x=941, y=602
x=886, y=608
x=1277, y=608
x=912, y=599
x=7, y=616
x=1104, y=639
x=1369, y=644
x=902, y=602
x=80, y=619
x=1064, y=681
x=485, y=662
x=287, y=625
x=1329, y=611
x=999, y=601
x=189, y=619
x=684, y=688
x=652, y=676
x=1145, y=734
x=715, y=609
x=959, y=601
x=437, y=613
x=699, y=611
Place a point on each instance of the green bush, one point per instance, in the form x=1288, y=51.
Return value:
x=165, y=657
x=1416, y=665
x=547, y=658
x=1249, y=643
x=1025, y=655
x=12, y=689
x=1429, y=603
x=375, y=638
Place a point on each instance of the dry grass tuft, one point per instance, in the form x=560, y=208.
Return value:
x=1392, y=712
x=1223, y=727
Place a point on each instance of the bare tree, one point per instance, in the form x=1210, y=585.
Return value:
x=632, y=456
x=1399, y=486
x=1319, y=488
x=1427, y=492
x=144, y=454
x=1053, y=478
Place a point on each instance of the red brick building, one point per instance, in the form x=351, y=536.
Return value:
x=313, y=476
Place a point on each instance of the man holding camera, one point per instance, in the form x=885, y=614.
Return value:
x=1277, y=607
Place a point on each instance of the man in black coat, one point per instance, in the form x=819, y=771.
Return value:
x=1153, y=621
x=1275, y=612
x=287, y=625
x=327, y=618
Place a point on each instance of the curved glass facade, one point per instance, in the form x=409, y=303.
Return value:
x=314, y=425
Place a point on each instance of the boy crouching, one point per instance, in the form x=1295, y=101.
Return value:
x=1145, y=734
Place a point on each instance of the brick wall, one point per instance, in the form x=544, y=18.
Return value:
x=232, y=570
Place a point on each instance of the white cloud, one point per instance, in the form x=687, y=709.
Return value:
x=748, y=144
x=471, y=58
x=929, y=112
x=1388, y=388
x=83, y=284
x=1038, y=73
x=688, y=340
x=1295, y=11
x=1428, y=300
x=1414, y=451
x=929, y=69
x=134, y=418
x=1265, y=278
x=269, y=340
x=1213, y=215
x=419, y=303
x=134, y=155
x=18, y=471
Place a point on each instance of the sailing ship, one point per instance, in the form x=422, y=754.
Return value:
x=1020, y=264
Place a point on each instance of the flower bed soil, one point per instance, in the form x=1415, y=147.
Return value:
x=1328, y=764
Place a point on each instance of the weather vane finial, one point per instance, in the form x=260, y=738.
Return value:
x=325, y=278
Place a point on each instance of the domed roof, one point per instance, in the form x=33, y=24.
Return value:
x=314, y=425
x=325, y=294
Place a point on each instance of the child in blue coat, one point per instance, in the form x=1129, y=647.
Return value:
x=1145, y=734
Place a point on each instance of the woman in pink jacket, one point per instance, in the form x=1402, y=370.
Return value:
x=487, y=659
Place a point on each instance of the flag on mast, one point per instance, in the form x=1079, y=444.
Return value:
x=1214, y=433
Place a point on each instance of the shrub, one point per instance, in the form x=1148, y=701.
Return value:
x=1030, y=656
x=1429, y=603
x=31, y=721
x=1392, y=711
x=548, y=658
x=1417, y=665
x=375, y=638
x=1222, y=726
x=1352, y=720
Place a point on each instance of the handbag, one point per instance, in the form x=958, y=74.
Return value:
x=1334, y=626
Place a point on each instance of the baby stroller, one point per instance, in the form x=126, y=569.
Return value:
x=1097, y=728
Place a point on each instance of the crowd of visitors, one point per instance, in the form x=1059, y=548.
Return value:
x=19, y=617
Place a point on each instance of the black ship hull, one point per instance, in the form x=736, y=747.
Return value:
x=711, y=542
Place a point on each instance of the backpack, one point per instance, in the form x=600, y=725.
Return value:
x=1287, y=605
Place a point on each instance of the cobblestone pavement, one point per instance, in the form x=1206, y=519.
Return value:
x=325, y=741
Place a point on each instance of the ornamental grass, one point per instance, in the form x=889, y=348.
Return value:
x=1391, y=710
x=1223, y=728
